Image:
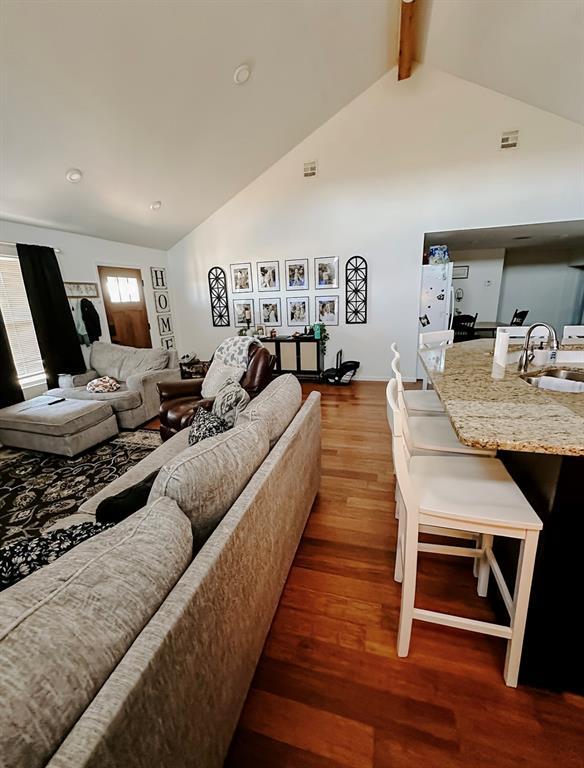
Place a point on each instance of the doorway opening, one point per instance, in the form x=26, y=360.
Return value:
x=123, y=296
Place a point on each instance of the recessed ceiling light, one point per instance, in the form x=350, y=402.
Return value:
x=242, y=74
x=74, y=175
x=156, y=205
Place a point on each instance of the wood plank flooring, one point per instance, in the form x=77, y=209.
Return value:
x=329, y=691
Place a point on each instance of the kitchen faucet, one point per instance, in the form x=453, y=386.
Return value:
x=526, y=356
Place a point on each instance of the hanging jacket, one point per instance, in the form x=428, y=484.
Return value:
x=91, y=319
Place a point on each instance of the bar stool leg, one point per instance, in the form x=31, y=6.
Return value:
x=475, y=565
x=520, y=605
x=408, y=594
x=398, y=573
x=484, y=567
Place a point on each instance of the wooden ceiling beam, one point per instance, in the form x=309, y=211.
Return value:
x=406, y=39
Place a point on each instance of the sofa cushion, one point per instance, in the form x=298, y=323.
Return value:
x=121, y=400
x=119, y=362
x=67, y=417
x=217, y=375
x=65, y=628
x=206, y=478
x=229, y=401
x=206, y=425
x=276, y=406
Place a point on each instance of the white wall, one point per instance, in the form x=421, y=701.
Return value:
x=80, y=256
x=481, y=288
x=544, y=282
x=402, y=159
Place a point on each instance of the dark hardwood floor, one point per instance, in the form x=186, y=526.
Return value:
x=330, y=692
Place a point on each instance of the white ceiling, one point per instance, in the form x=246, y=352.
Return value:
x=556, y=235
x=532, y=50
x=139, y=94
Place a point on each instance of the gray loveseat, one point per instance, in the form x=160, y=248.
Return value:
x=127, y=652
x=137, y=370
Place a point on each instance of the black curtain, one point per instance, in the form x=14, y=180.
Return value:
x=51, y=313
x=10, y=391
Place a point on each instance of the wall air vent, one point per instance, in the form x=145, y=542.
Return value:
x=310, y=169
x=509, y=140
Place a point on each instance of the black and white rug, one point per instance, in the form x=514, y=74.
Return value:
x=36, y=489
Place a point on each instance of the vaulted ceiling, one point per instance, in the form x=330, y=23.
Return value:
x=139, y=94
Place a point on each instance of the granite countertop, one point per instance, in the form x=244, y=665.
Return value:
x=506, y=413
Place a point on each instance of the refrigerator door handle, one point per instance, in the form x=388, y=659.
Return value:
x=450, y=307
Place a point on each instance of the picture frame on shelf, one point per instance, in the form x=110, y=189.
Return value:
x=268, y=276
x=296, y=274
x=326, y=272
x=261, y=330
x=271, y=311
x=241, y=277
x=327, y=310
x=243, y=313
x=297, y=310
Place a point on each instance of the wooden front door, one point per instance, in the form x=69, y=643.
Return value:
x=125, y=308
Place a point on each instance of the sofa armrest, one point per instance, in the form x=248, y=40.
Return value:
x=170, y=390
x=142, y=381
x=71, y=380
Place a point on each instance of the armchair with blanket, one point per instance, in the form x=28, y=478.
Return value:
x=180, y=399
x=138, y=371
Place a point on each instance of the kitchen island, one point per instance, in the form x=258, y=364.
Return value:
x=539, y=436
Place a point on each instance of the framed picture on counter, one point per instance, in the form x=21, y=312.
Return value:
x=297, y=310
x=297, y=274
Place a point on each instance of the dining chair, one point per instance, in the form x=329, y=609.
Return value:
x=519, y=317
x=464, y=327
x=472, y=496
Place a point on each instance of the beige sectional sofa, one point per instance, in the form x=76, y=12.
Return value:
x=128, y=653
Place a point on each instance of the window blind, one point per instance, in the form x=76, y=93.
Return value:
x=18, y=320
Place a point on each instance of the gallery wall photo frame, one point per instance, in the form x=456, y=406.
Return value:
x=161, y=302
x=326, y=310
x=271, y=311
x=268, y=276
x=460, y=272
x=167, y=342
x=296, y=275
x=243, y=311
x=326, y=272
x=158, y=278
x=297, y=310
x=81, y=290
x=165, y=325
x=241, y=277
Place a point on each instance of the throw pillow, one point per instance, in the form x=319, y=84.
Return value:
x=230, y=401
x=217, y=375
x=25, y=556
x=123, y=504
x=206, y=425
x=103, y=384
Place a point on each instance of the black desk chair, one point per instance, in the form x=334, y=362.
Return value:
x=519, y=317
x=464, y=327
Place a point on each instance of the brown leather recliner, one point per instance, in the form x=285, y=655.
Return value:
x=180, y=399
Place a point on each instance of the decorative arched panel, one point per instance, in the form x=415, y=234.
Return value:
x=356, y=290
x=218, y=296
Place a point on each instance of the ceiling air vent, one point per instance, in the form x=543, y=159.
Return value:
x=510, y=140
x=310, y=169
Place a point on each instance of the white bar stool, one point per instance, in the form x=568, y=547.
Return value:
x=431, y=339
x=419, y=402
x=470, y=495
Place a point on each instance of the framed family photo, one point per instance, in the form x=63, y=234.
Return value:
x=243, y=313
x=326, y=272
x=268, y=276
x=241, y=281
x=271, y=311
x=297, y=274
x=297, y=310
x=327, y=310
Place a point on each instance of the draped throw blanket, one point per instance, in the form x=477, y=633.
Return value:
x=235, y=350
x=51, y=313
x=10, y=391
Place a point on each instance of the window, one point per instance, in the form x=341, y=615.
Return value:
x=18, y=320
x=123, y=289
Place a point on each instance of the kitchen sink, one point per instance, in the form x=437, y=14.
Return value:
x=556, y=379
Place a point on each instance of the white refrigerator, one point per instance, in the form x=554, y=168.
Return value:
x=436, y=300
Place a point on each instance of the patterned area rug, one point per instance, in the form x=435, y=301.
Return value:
x=36, y=489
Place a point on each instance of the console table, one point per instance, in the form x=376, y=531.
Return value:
x=300, y=355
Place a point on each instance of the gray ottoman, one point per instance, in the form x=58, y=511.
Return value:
x=66, y=427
